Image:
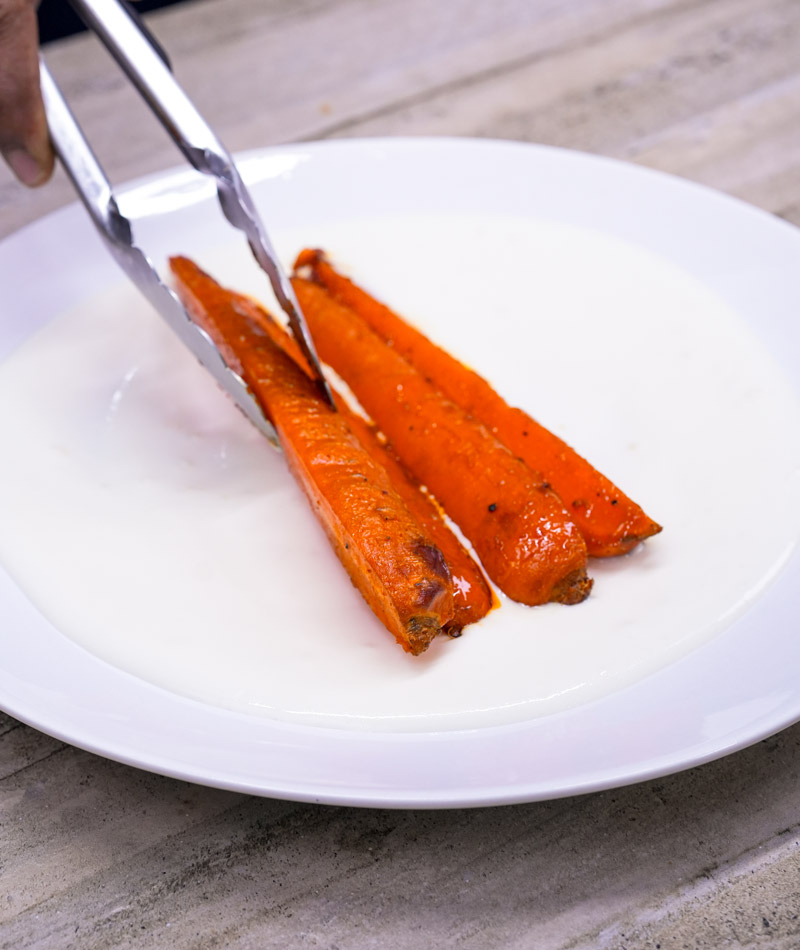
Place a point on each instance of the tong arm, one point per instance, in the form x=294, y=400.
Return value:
x=97, y=195
x=145, y=66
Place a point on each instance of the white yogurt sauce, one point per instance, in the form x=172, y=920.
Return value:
x=152, y=525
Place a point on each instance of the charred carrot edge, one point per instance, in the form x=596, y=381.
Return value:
x=611, y=523
x=472, y=595
x=518, y=527
x=397, y=568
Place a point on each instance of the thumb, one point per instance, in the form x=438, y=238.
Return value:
x=24, y=141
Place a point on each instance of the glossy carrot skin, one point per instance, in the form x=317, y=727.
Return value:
x=520, y=531
x=610, y=522
x=399, y=571
x=472, y=595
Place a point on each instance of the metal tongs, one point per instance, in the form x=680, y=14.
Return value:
x=146, y=65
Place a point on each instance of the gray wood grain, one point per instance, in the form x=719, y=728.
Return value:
x=94, y=854
x=100, y=855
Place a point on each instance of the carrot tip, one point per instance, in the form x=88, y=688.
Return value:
x=573, y=588
x=420, y=631
x=308, y=257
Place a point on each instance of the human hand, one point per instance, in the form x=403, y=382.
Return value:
x=24, y=141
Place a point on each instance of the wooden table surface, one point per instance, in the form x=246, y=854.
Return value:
x=96, y=854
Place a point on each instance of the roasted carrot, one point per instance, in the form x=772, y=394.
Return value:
x=524, y=538
x=610, y=522
x=472, y=596
x=398, y=569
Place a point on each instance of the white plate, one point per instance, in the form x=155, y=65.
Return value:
x=671, y=314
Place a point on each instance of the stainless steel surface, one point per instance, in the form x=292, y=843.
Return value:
x=144, y=65
x=95, y=191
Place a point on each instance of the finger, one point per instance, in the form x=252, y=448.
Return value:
x=24, y=141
